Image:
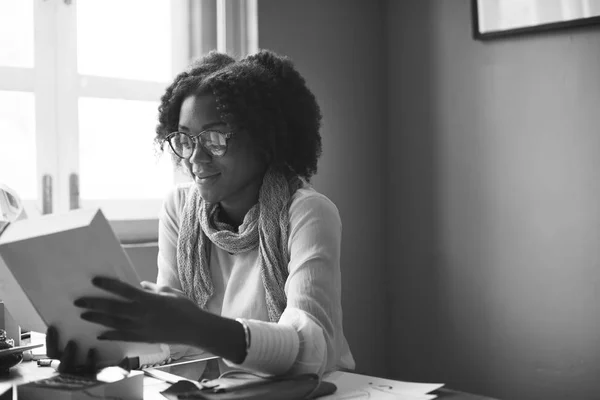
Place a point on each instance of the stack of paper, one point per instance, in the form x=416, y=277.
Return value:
x=356, y=387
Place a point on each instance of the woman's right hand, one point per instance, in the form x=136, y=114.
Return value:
x=68, y=355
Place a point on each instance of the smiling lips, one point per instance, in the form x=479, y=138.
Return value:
x=205, y=177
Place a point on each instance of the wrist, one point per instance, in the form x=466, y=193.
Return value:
x=223, y=337
x=199, y=329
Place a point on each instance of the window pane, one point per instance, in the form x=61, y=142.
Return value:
x=16, y=33
x=128, y=39
x=17, y=143
x=117, y=156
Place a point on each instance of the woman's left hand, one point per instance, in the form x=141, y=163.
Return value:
x=151, y=314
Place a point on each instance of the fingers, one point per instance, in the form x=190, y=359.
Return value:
x=110, y=321
x=129, y=310
x=67, y=361
x=52, y=343
x=119, y=288
x=68, y=358
x=153, y=287
x=91, y=361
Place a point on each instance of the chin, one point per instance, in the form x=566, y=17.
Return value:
x=209, y=189
x=208, y=195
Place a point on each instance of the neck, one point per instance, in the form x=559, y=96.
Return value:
x=234, y=210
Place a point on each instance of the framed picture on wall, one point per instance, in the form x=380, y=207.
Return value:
x=500, y=18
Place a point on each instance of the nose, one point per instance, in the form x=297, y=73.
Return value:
x=200, y=155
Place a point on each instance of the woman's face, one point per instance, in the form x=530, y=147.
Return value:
x=233, y=178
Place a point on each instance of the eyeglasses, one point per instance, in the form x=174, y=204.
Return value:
x=213, y=142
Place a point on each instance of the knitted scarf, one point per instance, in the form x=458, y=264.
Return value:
x=265, y=226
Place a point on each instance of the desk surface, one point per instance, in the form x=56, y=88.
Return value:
x=29, y=371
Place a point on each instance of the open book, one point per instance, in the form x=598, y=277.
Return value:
x=48, y=262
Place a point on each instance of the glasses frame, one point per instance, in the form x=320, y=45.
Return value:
x=196, y=140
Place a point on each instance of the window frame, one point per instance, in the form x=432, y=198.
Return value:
x=139, y=227
x=40, y=82
x=57, y=86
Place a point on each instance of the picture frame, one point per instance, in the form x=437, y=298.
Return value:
x=493, y=19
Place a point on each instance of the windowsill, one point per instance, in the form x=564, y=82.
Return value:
x=139, y=245
x=136, y=232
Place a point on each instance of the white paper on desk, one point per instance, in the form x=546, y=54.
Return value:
x=355, y=386
x=371, y=394
x=48, y=262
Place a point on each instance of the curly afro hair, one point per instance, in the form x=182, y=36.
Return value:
x=261, y=94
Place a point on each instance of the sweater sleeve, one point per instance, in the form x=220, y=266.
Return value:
x=168, y=275
x=308, y=336
x=168, y=231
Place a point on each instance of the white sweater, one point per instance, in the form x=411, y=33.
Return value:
x=309, y=335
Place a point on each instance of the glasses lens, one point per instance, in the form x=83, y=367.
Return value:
x=182, y=145
x=214, y=142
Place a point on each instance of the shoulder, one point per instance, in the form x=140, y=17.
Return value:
x=175, y=200
x=315, y=228
x=309, y=205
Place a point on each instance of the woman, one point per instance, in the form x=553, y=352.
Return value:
x=249, y=252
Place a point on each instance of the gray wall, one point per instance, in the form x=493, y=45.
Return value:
x=483, y=180
x=494, y=152
x=337, y=45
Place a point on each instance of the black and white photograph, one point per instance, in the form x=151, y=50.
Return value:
x=300, y=199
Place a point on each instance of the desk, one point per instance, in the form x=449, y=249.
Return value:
x=449, y=394
x=29, y=371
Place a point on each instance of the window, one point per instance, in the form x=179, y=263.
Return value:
x=80, y=83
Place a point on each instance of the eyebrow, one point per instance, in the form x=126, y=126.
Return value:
x=205, y=126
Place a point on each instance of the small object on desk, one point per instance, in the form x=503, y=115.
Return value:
x=28, y=355
x=130, y=363
x=7, y=361
x=39, y=352
x=48, y=362
x=9, y=354
x=186, y=362
x=9, y=324
x=45, y=362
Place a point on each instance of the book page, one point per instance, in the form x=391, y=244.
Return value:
x=53, y=259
